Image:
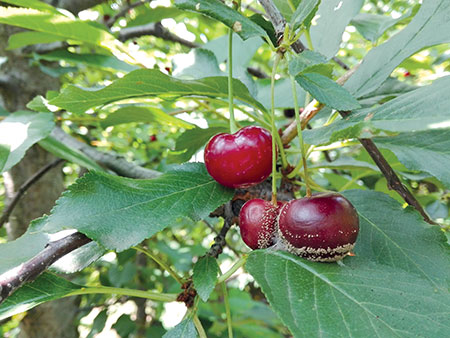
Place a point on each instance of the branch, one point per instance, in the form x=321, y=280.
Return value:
x=219, y=241
x=154, y=29
x=13, y=279
x=110, y=160
x=24, y=187
x=124, y=11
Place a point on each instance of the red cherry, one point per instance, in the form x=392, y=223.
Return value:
x=257, y=221
x=241, y=159
x=153, y=138
x=321, y=228
x=106, y=17
x=406, y=74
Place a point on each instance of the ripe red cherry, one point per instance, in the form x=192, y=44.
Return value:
x=241, y=159
x=153, y=138
x=321, y=228
x=257, y=221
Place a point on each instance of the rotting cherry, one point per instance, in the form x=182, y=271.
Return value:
x=322, y=228
x=257, y=222
x=241, y=159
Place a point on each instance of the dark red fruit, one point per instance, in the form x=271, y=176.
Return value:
x=241, y=159
x=257, y=221
x=321, y=228
x=153, y=138
x=106, y=17
x=406, y=74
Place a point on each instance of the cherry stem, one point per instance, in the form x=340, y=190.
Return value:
x=274, y=129
x=300, y=136
x=227, y=309
x=233, y=126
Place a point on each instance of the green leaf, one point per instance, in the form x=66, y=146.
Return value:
x=359, y=299
x=215, y=9
x=19, y=131
x=198, y=63
x=143, y=114
x=372, y=26
x=191, y=141
x=35, y=4
x=327, y=91
x=395, y=286
x=379, y=63
x=4, y=154
x=205, y=276
x=422, y=109
x=185, y=329
x=119, y=212
x=427, y=151
x=389, y=90
x=149, y=82
x=346, y=163
x=287, y=8
x=93, y=60
x=44, y=289
x=283, y=93
x=303, y=61
x=337, y=13
x=303, y=10
x=63, y=26
x=31, y=38
x=60, y=150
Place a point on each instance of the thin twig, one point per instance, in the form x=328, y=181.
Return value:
x=13, y=279
x=24, y=187
x=124, y=12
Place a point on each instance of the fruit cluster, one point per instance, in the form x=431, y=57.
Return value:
x=322, y=227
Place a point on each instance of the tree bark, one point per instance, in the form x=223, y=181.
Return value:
x=21, y=82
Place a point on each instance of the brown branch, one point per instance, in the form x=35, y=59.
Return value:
x=154, y=29
x=124, y=11
x=219, y=241
x=24, y=187
x=11, y=280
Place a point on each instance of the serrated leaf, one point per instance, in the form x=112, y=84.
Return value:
x=93, y=60
x=205, y=276
x=338, y=13
x=422, y=109
x=358, y=299
x=191, y=141
x=346, y=163
x=143, y=114
x=372, y=26
x=31, y=38
x=45, y=288
x=60, y=150
x=64, y=27
x=283, y=93
x=395, y=286
x=389, y=90
x=185, y=329
x=36, y=4
x=327, y=91
x=240, y=24
x=305, y=60
x=19, y=131
x=302, y=12
x=118, y=212
x=149, y=82
x=427, y=151
x=421, y=32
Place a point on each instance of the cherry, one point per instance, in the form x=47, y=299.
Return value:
x=257, y=221
x=321, y=228
x=153, y=138
x=241, y=159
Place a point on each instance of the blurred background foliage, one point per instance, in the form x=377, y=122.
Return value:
x=160, y=143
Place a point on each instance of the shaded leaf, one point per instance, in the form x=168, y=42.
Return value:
x=143, y=114
x=302, y=12
x=421, y=32
x=45, y=288
x=205, y=276
x=118, y=212
x=149, y=82
x=185, y=329
x=283, y=93
x=19, y=131
x=36, y=4
x=305, y=60
x=31, y=38
x=198, y=63
x=327, y=91
x=427, y=151
x=240, y=24
x=191, y=141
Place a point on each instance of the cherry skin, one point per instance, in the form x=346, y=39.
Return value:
x=323, y=227
x=241, y=159
x=258, y=223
